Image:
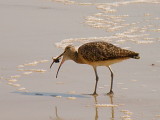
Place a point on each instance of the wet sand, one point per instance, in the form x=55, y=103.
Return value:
x=33, y=31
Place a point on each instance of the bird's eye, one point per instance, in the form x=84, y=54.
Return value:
x=68, y=47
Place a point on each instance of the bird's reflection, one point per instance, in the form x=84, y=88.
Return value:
x=112, y=108
x=96, y=110
x=57, y=116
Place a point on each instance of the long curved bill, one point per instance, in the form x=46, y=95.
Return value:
x=52, y=63
x=60, y=66
x=54, y=60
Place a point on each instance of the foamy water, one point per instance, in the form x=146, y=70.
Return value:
x=117, y=19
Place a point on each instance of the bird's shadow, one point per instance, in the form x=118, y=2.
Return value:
x=51, y=94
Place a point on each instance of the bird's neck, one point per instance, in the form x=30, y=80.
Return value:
x=75, y=57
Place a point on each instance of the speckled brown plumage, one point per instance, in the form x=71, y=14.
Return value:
x=101, y=51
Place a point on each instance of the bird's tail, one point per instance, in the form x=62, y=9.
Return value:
x=135, y=56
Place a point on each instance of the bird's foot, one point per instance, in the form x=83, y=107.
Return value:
x=110, y=93
x=94, y=94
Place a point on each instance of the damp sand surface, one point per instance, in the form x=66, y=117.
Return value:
x=33, y=31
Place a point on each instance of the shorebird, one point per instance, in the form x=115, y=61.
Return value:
x=96, y=54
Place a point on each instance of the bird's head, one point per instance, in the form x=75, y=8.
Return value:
x=67, y=55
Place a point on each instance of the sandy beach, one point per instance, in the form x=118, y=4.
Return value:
x=34, y=31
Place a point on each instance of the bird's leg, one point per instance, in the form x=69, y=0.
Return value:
x=95, y=70
x=111, y=91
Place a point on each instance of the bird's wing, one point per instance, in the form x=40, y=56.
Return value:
x=100, y=51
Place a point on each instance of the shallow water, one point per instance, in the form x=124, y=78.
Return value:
x=33, y=31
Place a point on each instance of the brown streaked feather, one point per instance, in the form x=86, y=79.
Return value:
x=101, y=51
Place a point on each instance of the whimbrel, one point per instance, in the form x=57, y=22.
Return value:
x=96, y=54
